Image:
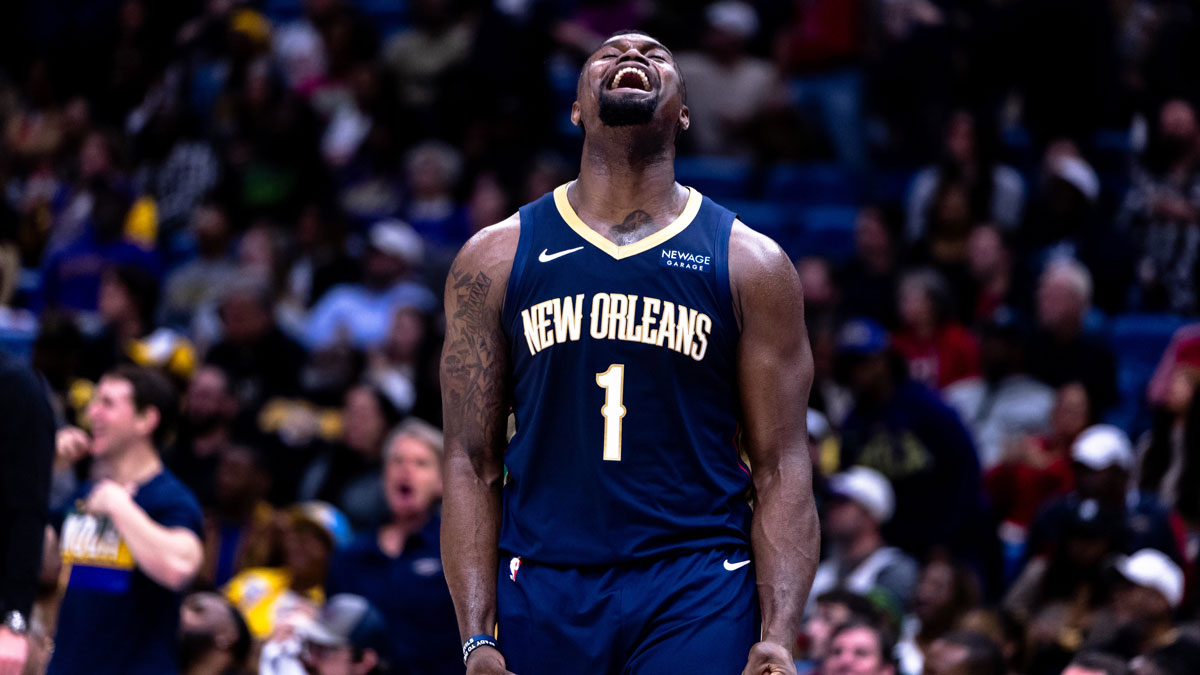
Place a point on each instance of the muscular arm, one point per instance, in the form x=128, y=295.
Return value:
x=775, y=369
x=474, y=398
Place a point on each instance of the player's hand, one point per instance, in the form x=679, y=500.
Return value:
x=71, y=444
x=14, y=650
x=768, y=658
x=106, y=497
x=487, y=661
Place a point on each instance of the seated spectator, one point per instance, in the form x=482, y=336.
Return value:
x=347, y=636
x=1184, y=346
x=399, y=564
x=346, y=472
x=206, y=425
x=213, y=637
x=192, y=284
x=944, y=244
x=833, y=608
x=860, y=502
x=1161, y=213
x=128, y=303
x=71, y=276
x=903, y=431
x=1165, y=453
x=433, y=170
x=260, y=359
x=321, y=261
x=939, y=350
x=241, y=529
x=399, y=367
x=999, y=284
x=859, y=648
x=1139, y=616
x=264, y=594
x=995, y=192
x=727, y=86
x=964, y=653
x=868, y=280
x=1097, y=663
x=1003, y=406
x=1059, y=594
x=1003, y=629
x=1061, y=351
x=944, y=594
x=821, y=294
x=1102, y=459
x=359, y=314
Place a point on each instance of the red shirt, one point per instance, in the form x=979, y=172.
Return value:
x=951, y=355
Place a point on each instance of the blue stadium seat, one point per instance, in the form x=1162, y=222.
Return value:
x=813, y=185
x=829, y=231
x=1138, y=341
x=778, y=221
x=888, y=186
x=721, y=178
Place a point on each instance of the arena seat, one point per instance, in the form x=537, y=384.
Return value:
x=814, y=184
x=1138, y=341
x=721, y=178
x=828, y=231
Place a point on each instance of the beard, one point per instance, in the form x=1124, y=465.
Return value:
x=626, y=111
x=194, y=646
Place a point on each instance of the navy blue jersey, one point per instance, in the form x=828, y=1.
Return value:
x=625, y=391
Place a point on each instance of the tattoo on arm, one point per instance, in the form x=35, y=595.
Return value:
x=473, y=352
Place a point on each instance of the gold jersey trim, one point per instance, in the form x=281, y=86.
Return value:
x=621, y=252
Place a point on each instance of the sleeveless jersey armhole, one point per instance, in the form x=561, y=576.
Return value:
x=524, y=241
x=721, y=252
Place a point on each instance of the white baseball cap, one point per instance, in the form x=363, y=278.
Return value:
x=1079, y=174
x=1102, y=446
x=868, y=488
x=1151, y=568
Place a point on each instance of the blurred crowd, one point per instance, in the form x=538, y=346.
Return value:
x=994, y=207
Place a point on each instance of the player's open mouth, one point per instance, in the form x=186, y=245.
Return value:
x=630, y=78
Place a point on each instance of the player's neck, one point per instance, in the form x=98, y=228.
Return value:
x=609, y=189
x=134, y=466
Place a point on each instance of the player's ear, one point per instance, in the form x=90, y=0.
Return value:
x=576, y=113
x=685, y=118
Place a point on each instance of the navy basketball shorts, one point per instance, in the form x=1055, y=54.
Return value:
x=693, y=613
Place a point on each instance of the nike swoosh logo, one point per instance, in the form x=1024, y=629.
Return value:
x=547, y=258
x=735, y=566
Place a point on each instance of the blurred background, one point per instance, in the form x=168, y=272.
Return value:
x=994, y=207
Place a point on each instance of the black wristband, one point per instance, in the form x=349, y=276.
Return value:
x=475, y=643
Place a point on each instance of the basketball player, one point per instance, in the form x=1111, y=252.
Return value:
x=640, y=336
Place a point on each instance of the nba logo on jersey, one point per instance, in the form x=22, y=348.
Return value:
x=513, y=566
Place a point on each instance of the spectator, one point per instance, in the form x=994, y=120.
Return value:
x=180, y=166
x=213, y=637
x=399, y=368
x=346, y=473
x=433, y=170
x=26, y=454
x=998, y=283
x=241, y=529
x=860, y=502
x=901, y=429
x=1096, y=663
x=399, y=564
x=1162, y=212
x=1147, y=594
x=1165, y=453
x=833, y=609
x=192, y=284
x=859, y=648
x=128, y=304
x=1061, y=351
x=264, y=594
x=424, y=55
x=1004, y=406
x=944, y=594
x=71, y=276
x=359, y=314
x=868, y=280
x=134, y=545
x=727, y=87
x=348, y=636
x=1103, y=457
x=206, y=426
x=1037, y=470
x=260, y=359
x=993, y=192
x=322, y=261
x=1178, y=658
x=1059, y=594
x=939, y=350
x=820, y=291
x=964, y=653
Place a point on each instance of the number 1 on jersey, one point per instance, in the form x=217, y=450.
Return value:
x=612, y=381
